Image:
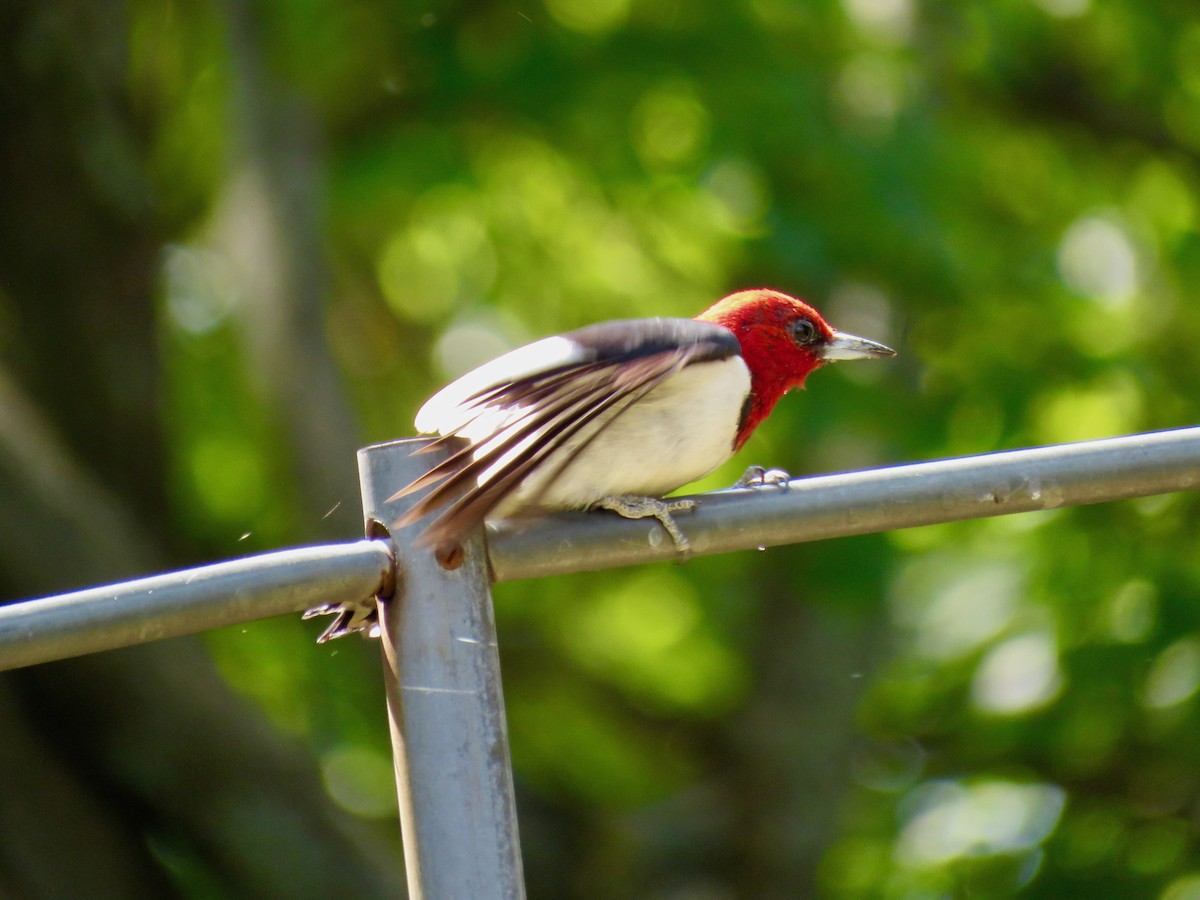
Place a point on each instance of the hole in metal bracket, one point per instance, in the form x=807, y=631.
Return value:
x=450, y=555
x=377, y=531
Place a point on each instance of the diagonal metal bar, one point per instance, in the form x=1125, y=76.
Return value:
x=242, y=590
x=829, y=506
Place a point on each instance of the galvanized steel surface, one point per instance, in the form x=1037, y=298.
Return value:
x=458, y=814
x=242, y=590
x=828, y=506
x=808, y=509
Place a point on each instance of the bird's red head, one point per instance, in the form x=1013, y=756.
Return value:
x=783, y=339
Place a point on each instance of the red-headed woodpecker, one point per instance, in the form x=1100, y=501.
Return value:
x=614, y=415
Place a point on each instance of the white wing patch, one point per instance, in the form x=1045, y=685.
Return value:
x=448, y=411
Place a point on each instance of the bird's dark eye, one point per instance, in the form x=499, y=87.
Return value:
x=804, y=332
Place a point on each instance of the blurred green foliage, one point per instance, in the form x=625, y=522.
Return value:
x=1007, y=192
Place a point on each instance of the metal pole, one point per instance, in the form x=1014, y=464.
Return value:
x=242, y=590
x=810, y=509
x=830, y=506
x=445, y=703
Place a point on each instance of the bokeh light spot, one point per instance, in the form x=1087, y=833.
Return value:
x=360, y=780
x=444, y=256
x=418, y=277
x=1161, y=196
x=1132, y=612
x=228, y=476
x=589, y=16
x=1097, y=258
x=1091, y=835
x=649, y=636
x=472, y=341
x=1018, y=675
x=890, y=21
x=670, y=125
x=1157, y=845
x=1175, y=675
x=946, y=820
x=952, y=608
x=1064, y=9
x=869, y=92
x=1184, y=888
x=864, y=309
x=1112, y=406
x=200, y=288
x=1181, y=114
x=742, y=192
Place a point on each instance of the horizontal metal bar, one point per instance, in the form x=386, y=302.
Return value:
x=830, y=506
x=192, y=600
x=808, y=509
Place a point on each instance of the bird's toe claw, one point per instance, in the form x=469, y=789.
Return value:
x=758, y=476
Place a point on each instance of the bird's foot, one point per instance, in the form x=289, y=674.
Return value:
x=757, y=476
x=634, y=507
x=351, y=617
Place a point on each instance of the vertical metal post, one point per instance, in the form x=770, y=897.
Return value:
x=445, y=704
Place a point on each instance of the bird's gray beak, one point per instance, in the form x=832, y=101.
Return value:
x=849, y=346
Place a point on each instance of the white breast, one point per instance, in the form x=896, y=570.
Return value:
x=677, y=433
